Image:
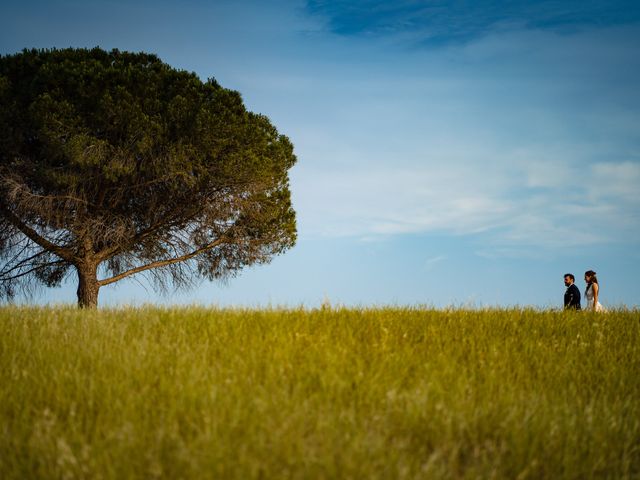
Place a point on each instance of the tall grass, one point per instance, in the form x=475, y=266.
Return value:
x=328, y=393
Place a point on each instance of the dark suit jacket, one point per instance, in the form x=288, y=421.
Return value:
x=572, y=297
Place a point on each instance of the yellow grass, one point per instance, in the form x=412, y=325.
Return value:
x=328, y=393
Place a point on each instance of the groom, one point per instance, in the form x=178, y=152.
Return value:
x=572, y=295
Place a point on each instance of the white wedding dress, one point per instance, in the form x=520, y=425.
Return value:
x=588, y=295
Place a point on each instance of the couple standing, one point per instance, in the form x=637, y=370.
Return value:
x=572, y=295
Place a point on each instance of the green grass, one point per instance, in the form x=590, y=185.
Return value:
x=328, y=393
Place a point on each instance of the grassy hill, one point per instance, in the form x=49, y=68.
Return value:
x=328, y=393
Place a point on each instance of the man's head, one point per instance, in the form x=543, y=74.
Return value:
x=569, y=279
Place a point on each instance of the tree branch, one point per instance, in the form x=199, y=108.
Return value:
x=167, y=220
x=161, y=263
x=19, y=264
x=38, y=267
x=34, y=236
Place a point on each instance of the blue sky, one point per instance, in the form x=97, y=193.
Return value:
x=449, y=153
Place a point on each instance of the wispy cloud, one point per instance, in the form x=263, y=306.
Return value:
x=383, y=202
x=528, y=138
x=442, y=21
x=619, y=181
x=430, y=263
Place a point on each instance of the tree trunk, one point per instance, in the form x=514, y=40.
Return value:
x=87, y=286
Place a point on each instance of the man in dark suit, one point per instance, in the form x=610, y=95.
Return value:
x=572, y=295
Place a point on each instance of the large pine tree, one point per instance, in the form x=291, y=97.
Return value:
x=114, y=163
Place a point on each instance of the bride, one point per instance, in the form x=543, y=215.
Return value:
x=592, y=292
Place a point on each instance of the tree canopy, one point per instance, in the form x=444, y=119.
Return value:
x=115, y=163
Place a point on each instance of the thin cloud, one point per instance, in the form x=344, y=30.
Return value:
x=385, y=202
x=430, y=263
x=442, y=22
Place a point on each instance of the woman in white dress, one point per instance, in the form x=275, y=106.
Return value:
x=592, y=292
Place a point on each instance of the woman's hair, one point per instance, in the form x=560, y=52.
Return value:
x=592, y=276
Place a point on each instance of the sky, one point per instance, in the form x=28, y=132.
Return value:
x=450, y=153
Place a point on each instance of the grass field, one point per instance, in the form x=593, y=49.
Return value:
x=327, y=393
